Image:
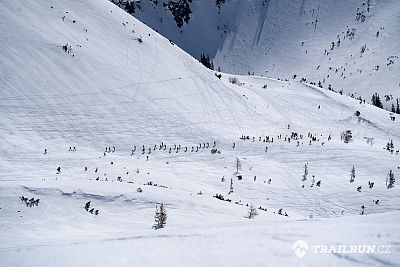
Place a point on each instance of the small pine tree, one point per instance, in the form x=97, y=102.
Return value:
x=231, y=187
x=397, y=106
x=252, y=212
x=390, y=179
x=393, y=108
x=160, y=216
x=352, y=174
x=305, y=172
x=390, y=145
x=238, y=165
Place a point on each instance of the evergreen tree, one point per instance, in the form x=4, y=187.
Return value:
x=390, y=145
x=376, y=100
x=231, y=187
x=130, y=7
x=238, y=165
x=390, y=179
x=352, y=174
x=160, y=216
x=305, y=172
x=205, y=60
x=393, y=108
x=397, y=106
x=219, y=2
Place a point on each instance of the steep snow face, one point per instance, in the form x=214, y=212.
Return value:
x=85, y=75
x=351, y=45
x=77, y=71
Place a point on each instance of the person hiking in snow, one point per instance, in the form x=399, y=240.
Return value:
x=87, y=206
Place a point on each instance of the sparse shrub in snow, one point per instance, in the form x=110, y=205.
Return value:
x=347, y=136
x=160, y=216
x=67, y=48
x=219, y=196
x=30, y=202
x=234, y=80
x=140, y=190
x=252, y=212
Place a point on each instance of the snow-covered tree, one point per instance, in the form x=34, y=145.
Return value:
x=160, y=216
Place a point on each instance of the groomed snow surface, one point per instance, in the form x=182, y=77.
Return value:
x=85, y=74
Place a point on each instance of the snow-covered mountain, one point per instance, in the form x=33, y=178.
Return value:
x=349, y=46
x=99, y=110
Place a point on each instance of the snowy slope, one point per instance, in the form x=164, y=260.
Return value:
x=108, y=81
x=111, y=90
x=284, y=38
